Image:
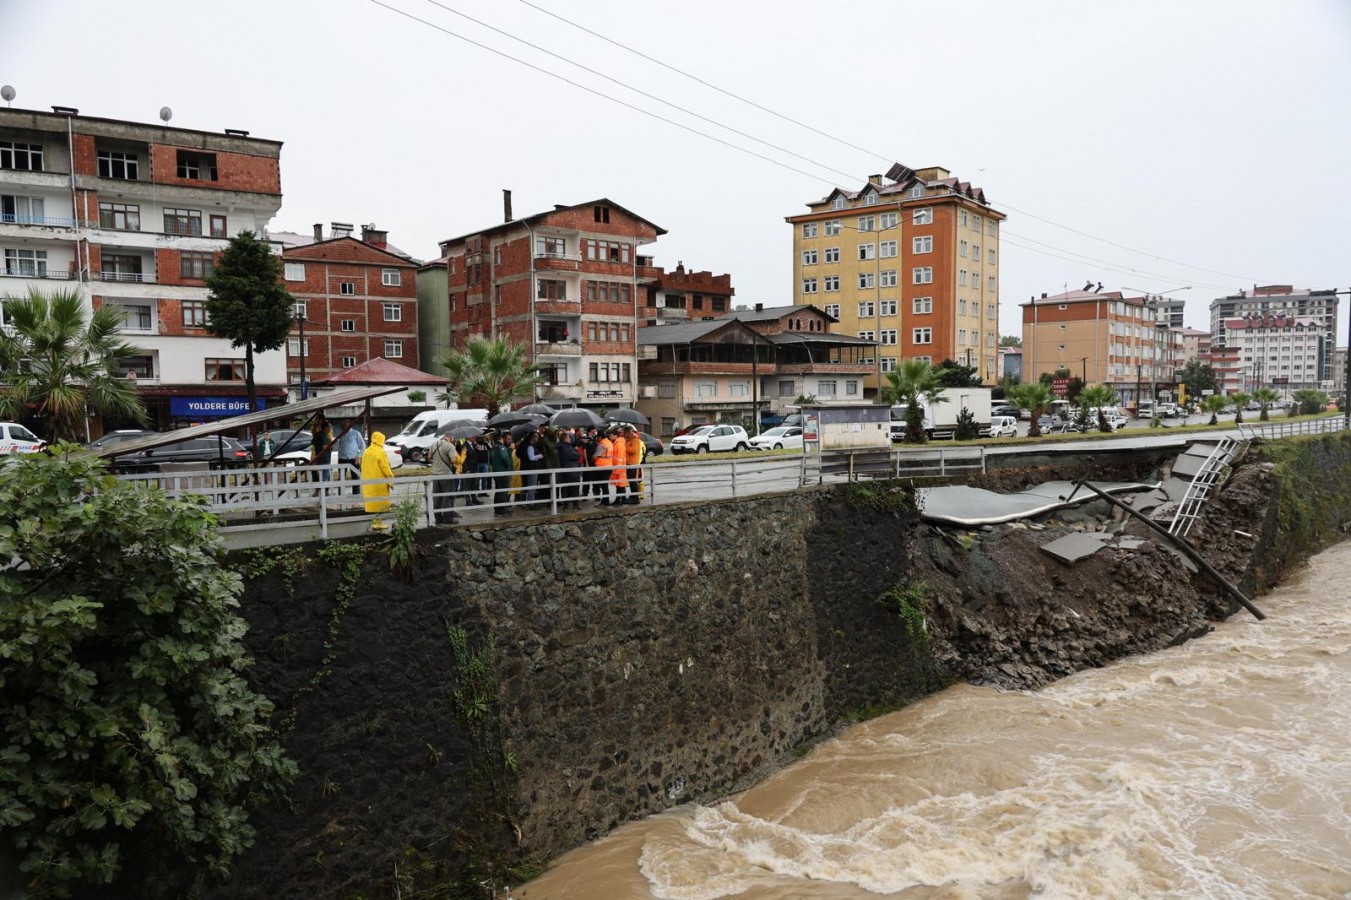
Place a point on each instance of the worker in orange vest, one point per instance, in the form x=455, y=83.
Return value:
x=619, y=461
x=604, y=458
x=637, y=451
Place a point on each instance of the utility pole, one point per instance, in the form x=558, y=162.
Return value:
x=304, y=385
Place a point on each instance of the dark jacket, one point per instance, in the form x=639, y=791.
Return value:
x=499, y=459
x=568, y=457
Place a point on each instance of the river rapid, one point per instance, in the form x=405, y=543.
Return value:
x=1220, y=768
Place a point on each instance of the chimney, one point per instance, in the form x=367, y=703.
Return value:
x=374, y=236
x=759, y=307
x=342, y=229
x=318, y=231
x=506, y=205
x=874, y=179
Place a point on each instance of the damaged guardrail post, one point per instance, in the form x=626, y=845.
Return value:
x=1187, y=549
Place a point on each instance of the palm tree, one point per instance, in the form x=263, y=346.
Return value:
x=1034, y=397
x=489, y=371
x=1213, y=405
x=914, y=381
x=1265, y=396
x=55, y=360
x=1240, y=400
x=1098, y=395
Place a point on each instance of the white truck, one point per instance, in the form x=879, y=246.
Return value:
x=940, y=416
x=418, y=437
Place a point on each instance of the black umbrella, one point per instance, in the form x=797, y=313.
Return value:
x=510, y=418
x=463, y=430
x=459, y=423
x=538, y=409
x=520, y=431
x=631, y=416
x=576, y=418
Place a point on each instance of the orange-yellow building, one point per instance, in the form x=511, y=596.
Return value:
x=910, y=260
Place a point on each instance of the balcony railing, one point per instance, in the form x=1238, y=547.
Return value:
x=138, y=277
x=52, y=274
x=14, y=219
x=558, y=348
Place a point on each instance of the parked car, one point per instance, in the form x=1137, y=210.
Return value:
x=1004, y=410
x=1046, y=423
x=15, y=438
x=289, y=440
x=294, y=449
x=784, y=437
x=652, y=443
x=217, y=451
x=1003, y=426
x=120, y=436
x=711, y=439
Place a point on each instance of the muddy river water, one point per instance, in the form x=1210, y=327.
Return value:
x=1221, y=768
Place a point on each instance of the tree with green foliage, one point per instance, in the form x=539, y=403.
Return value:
x=131, y=744
x=246, y=302
x=1240, y=399
x=1007, y=382
x=1097, y=396
x=1010, y=340
x=1198, y=378
x=1035, y=398
x=1308, y=402
x=955, y=375
x=1265, y=396
x=967, y=427
x=1215, y=404
x=907, y=386
x=60, y=363
x=489, y=372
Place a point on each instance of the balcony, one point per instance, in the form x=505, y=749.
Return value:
x=44, y=273
x=571, y=391
x=557, y=262
x=133, y=277
x=672, y=313
x=558, y=348
x=49, y=221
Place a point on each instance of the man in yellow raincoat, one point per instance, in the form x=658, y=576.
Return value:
x=375, y=465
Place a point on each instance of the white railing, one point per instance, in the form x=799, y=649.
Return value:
x=139, y=277
x=926, y=462
x=15, y=219
x=52, y=274
x=1278, y=429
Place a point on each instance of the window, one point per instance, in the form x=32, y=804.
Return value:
x=704, y=388
x=851, y=388
x=833, y=227
x=961, y=335
x=990, y=259
x=347, y=325
x=865, y=280
x=809, y=229
x=300, y=309
x=825, y=388
x=114, y=164
x=740, y=388
x=720, y=304
x=866, y=309
x=23, y=210
x=975, y=253
x=886, y=220
x=832, y=309
x=977, y=222
x=391, y=277
x=195, y=265
x=143, y=366
x=867, y=335
x=347, y=287
x=497, y=255
x=887, y=249
x=787, y=388
x=32, y=263
x=867, y=251
x=923, y=275
x=866, y=223
x=224, y=370
x=601, y=214
x=393, y=349
x=551, y=289
x=120, y=216
x=889, y=336
x=218, y=228
x=666, y=390
x=923, y=244
x=349, y=362
x=809, y=285
x=924, y=359
x=961, y=308
x=20, y=157
x=837, y=203
x=809, y=257
x=832, y=254
x=196, y=166
x=832, y=282
x=194, y=313
x=917, y=191
x=961, y=217
x=393, y=312
x=922, y=305
x=922, y=335
x=961, y=248
x=990, y=284
x=888, y=278
x=293, y=271
x=606, y=251
x=293, y=347
x=991, y=226
x=886, y=307
x=870, y=198
x=961, y=278
x=888, y=364
x=923, y=216
x=183, y=221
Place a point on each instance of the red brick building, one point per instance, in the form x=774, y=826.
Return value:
x=359, y=301
x=681, y=296
x=569, y=285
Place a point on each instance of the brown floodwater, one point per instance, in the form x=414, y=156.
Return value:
x=1221, y=768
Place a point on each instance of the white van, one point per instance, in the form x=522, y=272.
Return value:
x=418, y=436
x=1116, y=419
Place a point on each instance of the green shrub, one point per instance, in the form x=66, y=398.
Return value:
x=131, y=745
x=967, y=430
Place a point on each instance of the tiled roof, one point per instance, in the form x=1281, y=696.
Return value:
x=770, y=313
x=380, y=371
x=683, y=333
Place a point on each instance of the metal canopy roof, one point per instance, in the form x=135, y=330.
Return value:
x=262, y=417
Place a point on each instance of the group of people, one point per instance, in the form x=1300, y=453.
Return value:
x=591, y=463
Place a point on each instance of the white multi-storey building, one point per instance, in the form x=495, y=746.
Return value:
x=131, y=215
x=1287, y=353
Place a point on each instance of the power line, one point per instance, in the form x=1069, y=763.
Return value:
x=707, y=84
x=832, y=137
x=591, y=90
x=627, y=86
x=1006, y=234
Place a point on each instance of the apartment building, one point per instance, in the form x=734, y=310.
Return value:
x=1102, y=337
x=680, y=296
x=357, y=299
x=568, y=284
x=910, y=260
x=131, y=216
x=1282, y=300
x=747, y=363
x=1287, y=353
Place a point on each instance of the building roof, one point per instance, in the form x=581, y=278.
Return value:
x=818, y=337
x=1277, y=321
x=379, y=371
x=1080, y=296
x=291, y=240
x=770, y=313
x=686, y=332
x=531, y=220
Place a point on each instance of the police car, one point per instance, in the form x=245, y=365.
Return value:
x=14, y=438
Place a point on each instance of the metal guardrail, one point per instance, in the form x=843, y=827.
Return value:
x=928, y=462
x=1272, y=430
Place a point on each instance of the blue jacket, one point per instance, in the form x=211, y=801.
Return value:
x=351, y=444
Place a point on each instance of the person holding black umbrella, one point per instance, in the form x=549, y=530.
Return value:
x=568, y=460
x=500, y=463
x=443, y=468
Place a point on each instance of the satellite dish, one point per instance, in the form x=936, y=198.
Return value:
x=7, y=92
x=165, y=114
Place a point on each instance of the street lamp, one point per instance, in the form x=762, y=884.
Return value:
x=300, y=321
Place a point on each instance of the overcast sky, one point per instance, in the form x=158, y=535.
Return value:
x=1211, y=136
